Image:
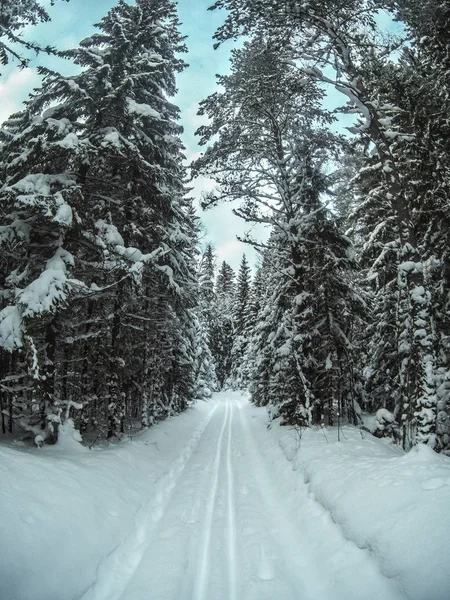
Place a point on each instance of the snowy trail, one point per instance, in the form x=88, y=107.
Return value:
x=232, y=543
x=303, y=553
x=117, y=569
x=223, y=529
x=203, y=571
x=209, y=505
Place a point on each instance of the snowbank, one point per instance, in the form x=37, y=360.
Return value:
x=393, y=504
x=65, y=507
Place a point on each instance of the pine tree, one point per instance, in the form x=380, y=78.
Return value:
x=98, y=175
x=221, y=336
x=241, y=297
x=257, y=292
x=207, y=293
x=241, y=331
x=271, y=154
x=423, y=95
x=401, y=377
x=345, y=36
x=207, y=310
x=204, y=366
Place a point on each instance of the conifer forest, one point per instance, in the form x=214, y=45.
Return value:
x=114, y=315
x=224, y=300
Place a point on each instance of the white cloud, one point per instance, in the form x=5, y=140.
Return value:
x=223, y=227
x=14, y=89
x=191, y=121
x=231, y=252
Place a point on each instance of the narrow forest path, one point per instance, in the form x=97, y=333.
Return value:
x=224, y=527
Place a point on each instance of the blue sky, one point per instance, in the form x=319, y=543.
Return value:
x=73, y=21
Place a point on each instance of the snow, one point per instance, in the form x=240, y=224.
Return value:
x=49, y=112
x=18, y=228
x=70, y=141
x=37, y=191
x=393, y=504
x=130, y=253
x=383, y=415
x=42, y=295
x=419, y=295
x=112, y=137
x=39, y=184
x=410, y=266
x=213, y=505
x=73, y=85
x=64, y=213
x=300, y=298
x=61, y=126
x=50, y=289
x=143, y=110
x=11, y=328
x=109, y=233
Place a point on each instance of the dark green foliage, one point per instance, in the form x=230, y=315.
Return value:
x=399, y=212
x=270, y=153
x=221, y=337
x=102, y=311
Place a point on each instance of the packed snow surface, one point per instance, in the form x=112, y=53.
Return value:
x=214, y=505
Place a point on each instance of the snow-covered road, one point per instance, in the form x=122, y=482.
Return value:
x=221, y=527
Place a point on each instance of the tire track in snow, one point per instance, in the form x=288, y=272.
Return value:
x=117, y=568
x=202, y=578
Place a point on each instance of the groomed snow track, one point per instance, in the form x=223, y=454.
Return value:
x=221, y=527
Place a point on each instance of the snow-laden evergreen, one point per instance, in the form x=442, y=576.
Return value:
x=113, y=318
x=99, y=278
x=242, y=327
x=107, y=312
x=271, y=154
x=401, y=99
x=222, y=332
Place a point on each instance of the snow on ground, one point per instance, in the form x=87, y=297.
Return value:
x=395, y=505
x=212, y=505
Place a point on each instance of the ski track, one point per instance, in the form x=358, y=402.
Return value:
x=298, y=535
x=203, y=570
x=282, y=555
x=232, y=544
x=117, y=568
x=218, y=528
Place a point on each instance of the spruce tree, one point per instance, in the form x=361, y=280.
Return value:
x=241, y=326
x=207, y=293
x=93, y=167
x=400, y=377
x=270, y=154
x=221, y=337
x=345, y=37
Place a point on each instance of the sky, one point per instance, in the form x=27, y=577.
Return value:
x=73, y=21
